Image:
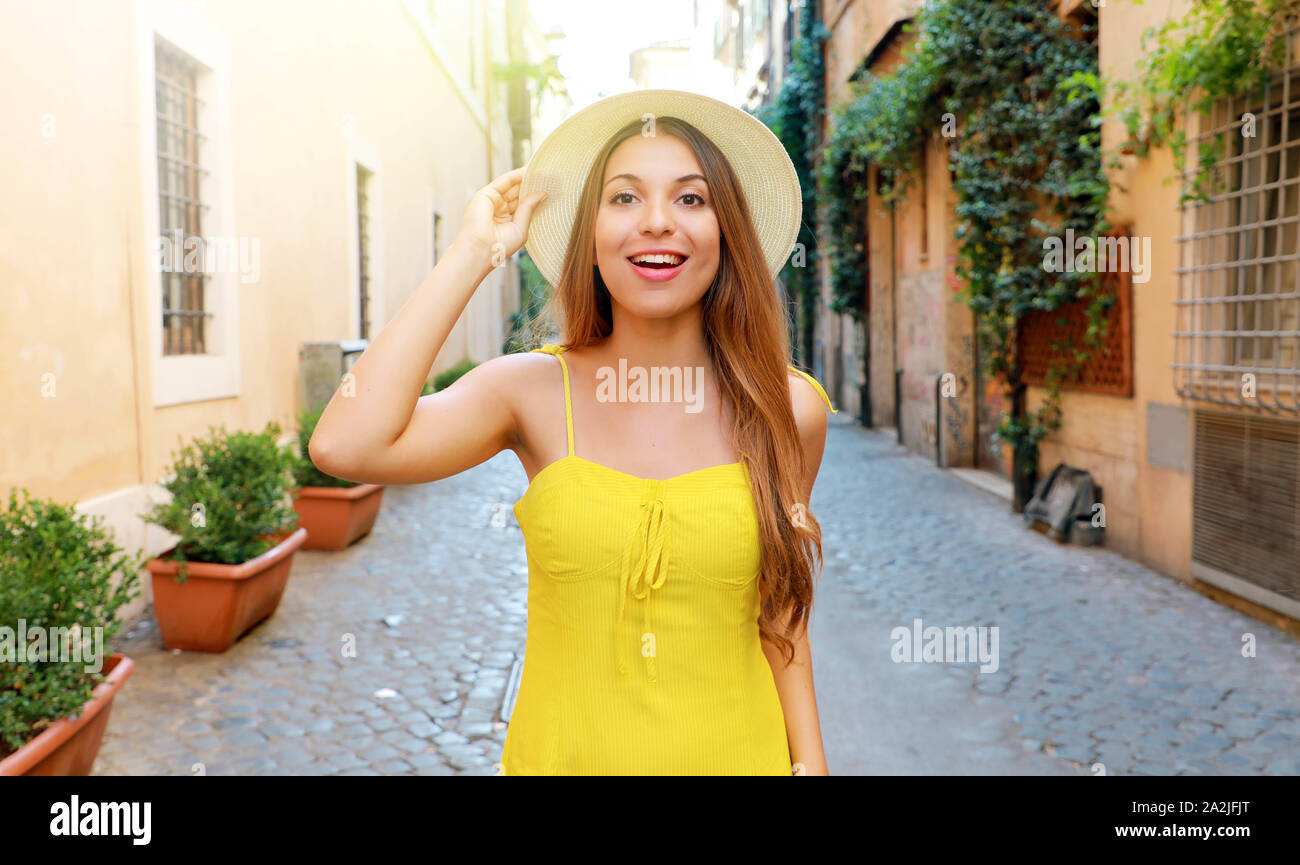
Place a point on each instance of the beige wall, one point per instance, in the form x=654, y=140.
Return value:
x=847, y=21
x=65, y=262
x=857, y=27
x=934, y=329
x=75, y=262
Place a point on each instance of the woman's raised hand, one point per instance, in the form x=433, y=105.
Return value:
x=386, y=432
x=496, y=221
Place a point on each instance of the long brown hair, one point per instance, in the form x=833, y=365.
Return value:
x=746, y=331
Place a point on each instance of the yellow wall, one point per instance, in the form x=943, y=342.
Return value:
x=65, y=262
x=75, y=265
x=1148, y=509
x=1150, y=204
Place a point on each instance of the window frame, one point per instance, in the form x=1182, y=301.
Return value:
x=215, y=374
x=361, y=155
x=1211, y=358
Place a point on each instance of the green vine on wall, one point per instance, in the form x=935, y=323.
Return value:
x=1219, y=48
x=795, y=118
x=842, y=186
x=1015, y=93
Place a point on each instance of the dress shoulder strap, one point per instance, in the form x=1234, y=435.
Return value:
x=558, y=352
x=816, y=384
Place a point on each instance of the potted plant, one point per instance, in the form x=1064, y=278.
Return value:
x=238, y=532
x=334, y=512
x=62, y=582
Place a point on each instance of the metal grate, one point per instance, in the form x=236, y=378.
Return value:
x=180, y=205
x=1237, y=340
x=363, y=247
x=1043, y=335
x=1246, y=506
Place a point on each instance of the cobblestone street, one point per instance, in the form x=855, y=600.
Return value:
x=1101, y=660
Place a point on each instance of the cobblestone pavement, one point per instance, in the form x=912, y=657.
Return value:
x=435, y=599
x=1100, y=659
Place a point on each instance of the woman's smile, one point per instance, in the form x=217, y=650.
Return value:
x=657, y=265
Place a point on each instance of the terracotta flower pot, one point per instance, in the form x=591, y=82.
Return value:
x=217, y=604
x=334, y=517
x=69, y=746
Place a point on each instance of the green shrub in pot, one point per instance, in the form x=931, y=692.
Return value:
x=58, y=569
x=230, y=497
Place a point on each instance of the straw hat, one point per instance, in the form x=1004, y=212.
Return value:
x=561, y=162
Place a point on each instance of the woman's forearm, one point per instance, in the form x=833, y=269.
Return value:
x=369, y=412
x=794, y=685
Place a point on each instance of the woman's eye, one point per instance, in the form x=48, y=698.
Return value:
x=618, y=198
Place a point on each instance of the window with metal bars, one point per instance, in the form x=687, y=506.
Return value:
x=363, y=248
x=1237, y=340
x=180, y=199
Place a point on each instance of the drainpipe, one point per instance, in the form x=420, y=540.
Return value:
x=893, y=311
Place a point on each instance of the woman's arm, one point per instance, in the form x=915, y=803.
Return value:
x=377, y=428
x=794, y=683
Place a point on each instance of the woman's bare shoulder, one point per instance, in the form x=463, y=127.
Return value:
x=510, y=369
x=517, y=372
x=810, y=416
x=515, y=380
x=809, y=405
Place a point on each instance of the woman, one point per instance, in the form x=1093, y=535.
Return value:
x=671, y=550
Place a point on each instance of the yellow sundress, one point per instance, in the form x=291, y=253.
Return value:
x=689, y=691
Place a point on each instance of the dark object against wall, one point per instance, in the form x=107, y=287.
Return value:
x=1065, y=504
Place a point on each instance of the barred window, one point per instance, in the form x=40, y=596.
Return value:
x=1237, y=337
x=180, y=200
x=363, y=247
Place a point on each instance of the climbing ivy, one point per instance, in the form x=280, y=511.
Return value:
x=795, y=117
x=842, y=188
x=1218, y=48
x=1015, y=93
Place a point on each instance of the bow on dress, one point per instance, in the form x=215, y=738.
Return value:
x=646, y=571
